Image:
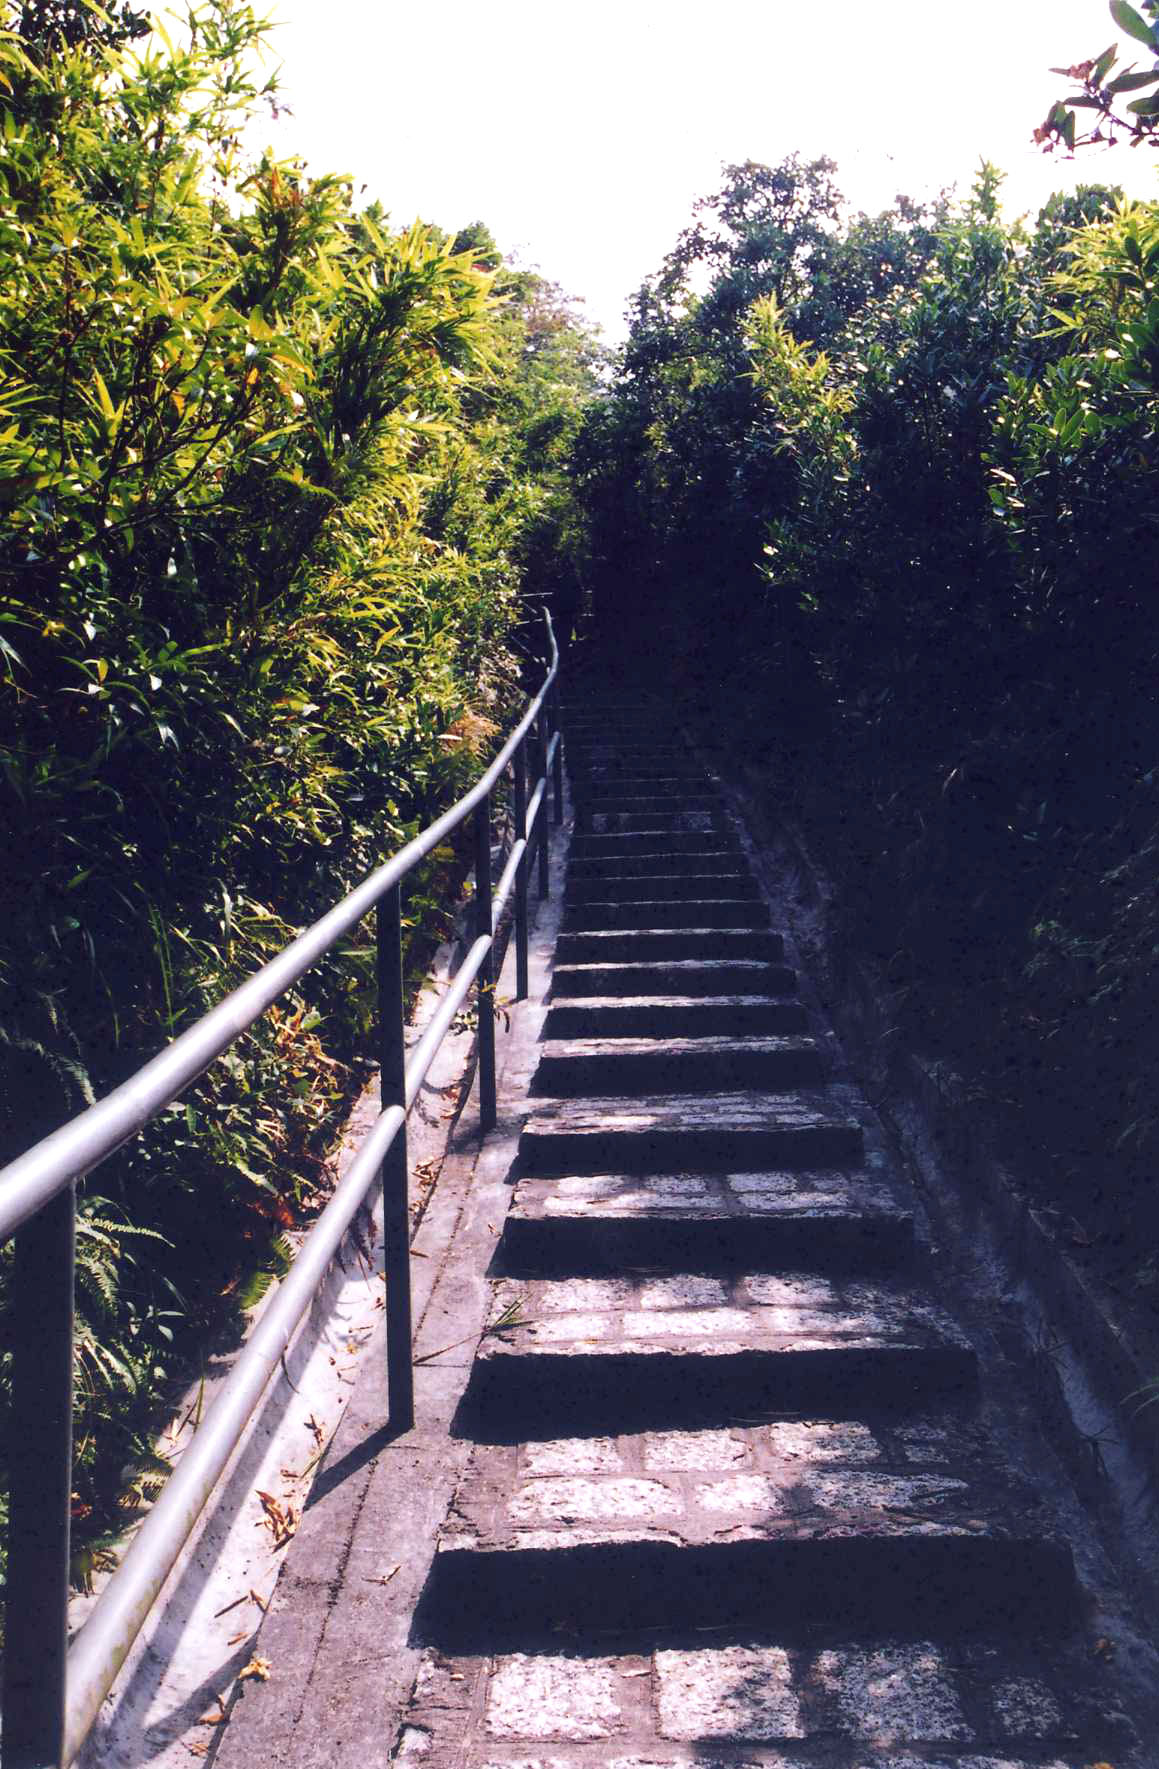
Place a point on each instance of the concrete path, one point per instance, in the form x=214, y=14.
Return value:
x=731, y=1493
x=707, y=1472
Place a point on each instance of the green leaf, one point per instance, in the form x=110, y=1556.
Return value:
x=1133, y=82
x=1146, y=107
x=1130, y=21
x=1104, y=65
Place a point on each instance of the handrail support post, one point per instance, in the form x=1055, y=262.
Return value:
x=544, y=743
x=395, y=1174
x=519, y=771
x=40, y=1503
x=485, y=997
x=557, y=759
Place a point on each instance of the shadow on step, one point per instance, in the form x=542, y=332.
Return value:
x=512, y=1399
x=921, y=1586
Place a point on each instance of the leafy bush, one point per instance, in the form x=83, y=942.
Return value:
x=274, y=473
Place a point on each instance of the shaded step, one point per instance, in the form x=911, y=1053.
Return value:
x=641, y=765
x=652, y=1353
x=721, y=912
x=637, y=944
x=632, y=817
x=819, y=1218
x=687, y=879
x=644, y=845
x=666, y=1016
x=645, y=798
x=588, y=755
x=573, y=1067
x=686, y=978
x=584, y=870
x=682, y=1132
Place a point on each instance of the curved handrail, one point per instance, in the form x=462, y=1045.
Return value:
x=28, y=1183
x=52, y=1697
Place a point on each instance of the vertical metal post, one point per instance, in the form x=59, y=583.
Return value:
x=395, y=1181
x=40, y=1503
x=519, y=773
x=544, y=883
x=557, y=761
x=486, y=984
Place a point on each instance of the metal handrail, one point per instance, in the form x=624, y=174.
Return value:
x=52, y=1694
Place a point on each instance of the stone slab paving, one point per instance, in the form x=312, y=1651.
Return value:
x=837, y=1703
x=731, y=1496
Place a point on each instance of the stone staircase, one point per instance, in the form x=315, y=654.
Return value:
x=733, y=1495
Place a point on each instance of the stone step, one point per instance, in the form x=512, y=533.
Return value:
x=718, y=1133
x=760, y=1699
x=689, y=878
x=635, y=945
x=634, y=1353
x=684, y=978
x=727, y=1529
x=637, y=791
x=644, y=846
x=570, y=1068
x=824, y=1219
x=666, y=1016
x=584, y=870
x=636, y=817
x=719, y=912
x=595, y=753
x=628, y=726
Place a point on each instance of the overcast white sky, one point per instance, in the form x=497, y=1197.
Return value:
x=582, y=134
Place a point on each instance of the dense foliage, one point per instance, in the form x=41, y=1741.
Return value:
x=920, y=449
x=275, y=478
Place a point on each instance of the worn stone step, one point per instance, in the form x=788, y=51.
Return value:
x=638, y=944
x=688, y=878
x=822, y=1219
x=643, y=846
x=720, y=912
x=585, y=871
x=666, y=1016
x=761, y=1699
x=636, y=1353
x=644, y=758
x=683, y=977
x=634, y=817
x=626, y=725
x=640, y=762
x=571, y=1068
x=728, y=1529
x=636, y=793
x=719, y=1133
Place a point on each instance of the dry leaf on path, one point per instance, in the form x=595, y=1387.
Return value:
x=258, y=1669
x=281, y=1518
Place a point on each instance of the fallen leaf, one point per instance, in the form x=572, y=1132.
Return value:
x=281, y=1518
x=258, y=1669
x=383, y=1578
